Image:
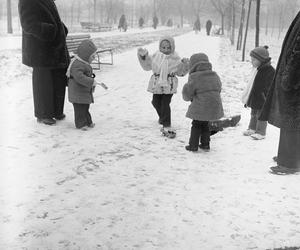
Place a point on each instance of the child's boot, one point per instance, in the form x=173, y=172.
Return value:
x=194, y=140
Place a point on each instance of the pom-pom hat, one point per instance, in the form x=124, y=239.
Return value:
x=261, y=53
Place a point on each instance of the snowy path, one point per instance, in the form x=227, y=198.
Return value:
x=124, y=186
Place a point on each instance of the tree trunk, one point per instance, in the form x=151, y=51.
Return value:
x=257, y=23
x=267, y=22
x=240, y=34
x=9, y=18
x=233, y=23
x=246, y=31
x=222, y=18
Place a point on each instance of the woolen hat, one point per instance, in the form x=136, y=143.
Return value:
x=261, y=53
x=86, y=49
x=199, y=60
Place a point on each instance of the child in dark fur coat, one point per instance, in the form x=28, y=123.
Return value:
x=203, y=90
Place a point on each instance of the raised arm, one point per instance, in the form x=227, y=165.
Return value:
x=144, y=59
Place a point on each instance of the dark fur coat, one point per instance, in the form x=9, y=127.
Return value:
x=44, y=34
x=282, y=107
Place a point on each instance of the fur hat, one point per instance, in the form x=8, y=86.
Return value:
x=261, y=53
x=86, y=49
x=199, y=62
x=170, y=40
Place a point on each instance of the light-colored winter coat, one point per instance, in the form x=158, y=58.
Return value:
x=203, y=90
x=165, y=68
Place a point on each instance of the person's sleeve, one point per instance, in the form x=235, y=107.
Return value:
x=30, y=13
x=291, y=74
x=145, y=62
x=188, y=91
x=77, y=73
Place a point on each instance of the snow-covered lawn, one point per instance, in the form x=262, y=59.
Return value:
x=123, y=186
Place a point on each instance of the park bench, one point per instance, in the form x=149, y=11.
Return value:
x=95, y=26
x=73, y=42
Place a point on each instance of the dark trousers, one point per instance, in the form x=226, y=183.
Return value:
x=161, y=102
x=49, y=88
x=199, y=131
x=82, y=115
x=258, y=126
x=289, y=149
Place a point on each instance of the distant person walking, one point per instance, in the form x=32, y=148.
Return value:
x=197, y=25
x=208, y=27
x=122, y=23
x=44, y=49
x=282, y=107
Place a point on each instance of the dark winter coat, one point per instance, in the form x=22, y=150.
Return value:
x=208, y=25
x=80, y=86
x=282, y=107
x=203, y=89
x=44, y=35
x=262, y=82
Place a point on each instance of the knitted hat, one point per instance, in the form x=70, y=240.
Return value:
x=261, y=54
x=86, y=49
x=198, y=62
x=170, y=40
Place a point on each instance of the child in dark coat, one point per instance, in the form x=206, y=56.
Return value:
x=203, y=90
x=255, y=93
x=82, y=84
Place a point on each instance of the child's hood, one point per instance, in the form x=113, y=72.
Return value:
x=199, y=62
x=86, y=49
x=170, y=40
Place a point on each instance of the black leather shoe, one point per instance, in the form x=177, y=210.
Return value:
x=47, y=121
x=60, y=117
x=190, y=148
x=204, y=147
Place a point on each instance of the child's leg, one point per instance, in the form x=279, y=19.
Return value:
x=261, y=126
x=253, y=119
x=166, y=110
x=195, y=134
x=156, y=102
x=205, y=133
x=80, y=115
x=88, y=115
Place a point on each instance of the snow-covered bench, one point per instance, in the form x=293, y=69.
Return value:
x=73, y=42
x=95, y=26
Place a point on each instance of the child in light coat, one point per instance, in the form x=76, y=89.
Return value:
x=165, y=65
x=255, y=93
x=203, y=90
x=82, y=84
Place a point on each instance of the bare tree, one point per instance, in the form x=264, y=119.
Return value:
x=9, y=17
x=232, y=36
x=246, y=31
x=220, y=6
x=240, y=34
x=257, y=23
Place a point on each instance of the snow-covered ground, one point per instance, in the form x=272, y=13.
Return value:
x=122, y=185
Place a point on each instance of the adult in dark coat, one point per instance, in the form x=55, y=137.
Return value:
x=282, y=107
x=197, y=25
x=208, y=27
x=44, y=49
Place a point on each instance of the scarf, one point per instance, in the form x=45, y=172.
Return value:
x=248, y=87
x=76, y=57
x=163, y=65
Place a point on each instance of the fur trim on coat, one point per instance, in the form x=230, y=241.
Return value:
x=282, y=107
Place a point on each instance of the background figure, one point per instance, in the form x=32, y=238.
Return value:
x=44, y=49
x=122, y=23
x=282, y=107
x=208, y=27
x=197, y=25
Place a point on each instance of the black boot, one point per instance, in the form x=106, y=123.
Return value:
x=194, y=139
